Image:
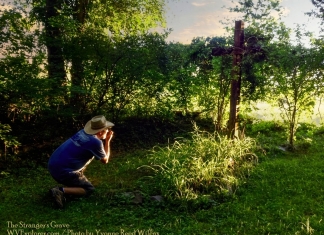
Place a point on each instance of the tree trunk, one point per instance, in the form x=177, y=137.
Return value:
x=77, y=71
x=55, y=59
x=236, y=79
x=292, y=128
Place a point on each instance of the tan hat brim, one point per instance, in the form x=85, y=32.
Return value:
x=90, y=131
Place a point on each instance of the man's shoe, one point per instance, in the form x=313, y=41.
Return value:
x=58, y=197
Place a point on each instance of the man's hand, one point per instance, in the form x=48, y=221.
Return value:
x=107, y=146
x=109, y=136
x=104, y=160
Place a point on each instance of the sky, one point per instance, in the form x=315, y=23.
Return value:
x=201, y=18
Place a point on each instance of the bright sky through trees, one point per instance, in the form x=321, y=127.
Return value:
x=195, y=18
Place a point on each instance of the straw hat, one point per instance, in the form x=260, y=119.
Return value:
x=97, y=124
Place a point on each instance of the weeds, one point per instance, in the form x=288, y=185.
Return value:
x=207, y=165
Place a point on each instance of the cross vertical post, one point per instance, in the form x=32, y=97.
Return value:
x=233, y=124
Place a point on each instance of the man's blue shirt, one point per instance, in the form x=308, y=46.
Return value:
x=74, y=154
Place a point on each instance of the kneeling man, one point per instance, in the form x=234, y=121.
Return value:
x=67, y=163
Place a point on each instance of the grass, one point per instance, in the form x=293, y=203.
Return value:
x=206, y=167
x=283, y=195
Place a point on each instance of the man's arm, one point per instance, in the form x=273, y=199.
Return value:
x=107, y=147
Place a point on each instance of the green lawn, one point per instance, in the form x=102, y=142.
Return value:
x=283, y=195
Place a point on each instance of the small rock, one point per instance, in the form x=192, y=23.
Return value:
x=282, y=148
x=134, y=197
x=138, y=199
x=157, y=198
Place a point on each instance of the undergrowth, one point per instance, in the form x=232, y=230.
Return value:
x=206, y=167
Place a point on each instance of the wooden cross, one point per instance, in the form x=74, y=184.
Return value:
x=237, y=51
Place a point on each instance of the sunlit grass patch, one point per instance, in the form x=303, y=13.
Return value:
x=207, y=165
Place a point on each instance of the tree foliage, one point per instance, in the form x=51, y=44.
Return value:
x=294, y=79
x=22, y=84
x=127, y=79
x=257, y=9
x=318, y=12
x=69, y=26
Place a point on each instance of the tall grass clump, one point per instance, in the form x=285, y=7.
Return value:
x=207, y=166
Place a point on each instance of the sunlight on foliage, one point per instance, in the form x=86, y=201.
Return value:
x=208, y=165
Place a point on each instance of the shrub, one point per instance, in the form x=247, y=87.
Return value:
x=266, y=127
x=9, y=142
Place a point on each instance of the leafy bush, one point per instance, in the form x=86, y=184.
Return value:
x=207, y=165
x=304, y=136
x=265, y=127
x=7, y=140
x=319, y=131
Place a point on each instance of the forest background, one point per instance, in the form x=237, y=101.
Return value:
x=63, y=62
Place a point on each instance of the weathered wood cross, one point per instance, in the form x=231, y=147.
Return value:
x=237, y=51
